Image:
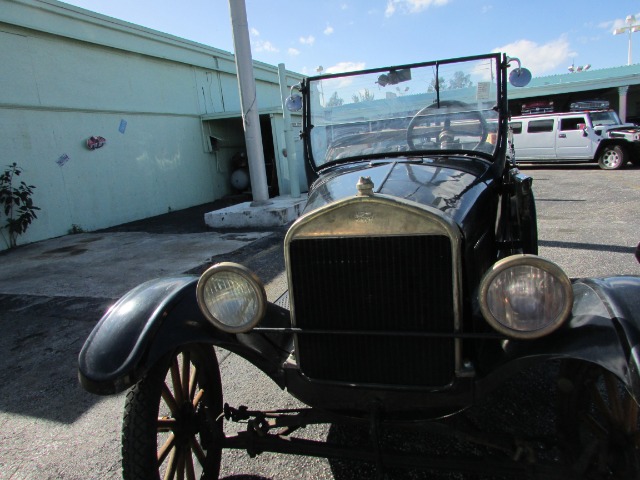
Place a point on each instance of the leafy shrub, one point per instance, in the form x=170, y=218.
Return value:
x=17, y=204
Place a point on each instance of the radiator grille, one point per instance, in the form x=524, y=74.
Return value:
x=394, y=284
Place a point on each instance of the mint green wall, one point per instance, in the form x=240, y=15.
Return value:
x=68, y=74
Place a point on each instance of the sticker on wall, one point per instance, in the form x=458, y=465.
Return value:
x=64, y=158
x=95, y=142
x=123, y=126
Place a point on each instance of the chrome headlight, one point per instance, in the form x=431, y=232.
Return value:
x=231, y=297
x=525, y=296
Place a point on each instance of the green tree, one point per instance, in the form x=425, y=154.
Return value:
x=363, y=96
x=335, y=100
x=432, y=85
x=460, y=80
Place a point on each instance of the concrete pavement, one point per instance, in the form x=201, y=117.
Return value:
x=107, y=263
x=52, y=429
x=53, y=292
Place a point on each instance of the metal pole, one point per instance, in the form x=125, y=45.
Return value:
x=629, y=52
x=622, y=94
x=248, y=102
x=294, y=181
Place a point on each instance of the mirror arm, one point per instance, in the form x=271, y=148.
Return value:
x=514, y=59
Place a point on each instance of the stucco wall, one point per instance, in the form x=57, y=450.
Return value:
x=68, y=74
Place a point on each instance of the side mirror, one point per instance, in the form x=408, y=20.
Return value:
x=520, y=77
x=294, y=103
x=583, y=128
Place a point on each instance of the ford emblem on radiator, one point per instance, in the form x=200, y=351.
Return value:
x=364, y=217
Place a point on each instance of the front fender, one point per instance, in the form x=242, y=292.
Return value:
x=604, y=329
x=110, y=356
x=156, y=317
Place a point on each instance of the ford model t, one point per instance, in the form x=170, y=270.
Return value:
x=414, y=291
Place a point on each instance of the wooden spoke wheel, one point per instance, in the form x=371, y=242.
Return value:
x=171, y=427
x=598, y=423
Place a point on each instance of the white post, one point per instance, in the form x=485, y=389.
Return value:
x=248, y=102
x=622, y=95
x=294, y=181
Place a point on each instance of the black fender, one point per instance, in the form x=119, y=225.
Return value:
x=158, y=316
x=604, y=329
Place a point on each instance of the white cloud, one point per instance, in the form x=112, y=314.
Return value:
x=540, y=59
x=328, y=30
x=391, y=8
x=419, y=5
x=293, y=52
x=265, y=46
x=345, y=67
x=308, y=40
x=254, y=32
x=341, y=83
x=618, y=23
x=412, y=6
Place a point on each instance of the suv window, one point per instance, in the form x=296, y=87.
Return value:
x=605, y=118
x=537, y=126
x=572, y=123
x=516, y=127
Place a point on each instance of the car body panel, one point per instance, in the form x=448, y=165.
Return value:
x=604, y=329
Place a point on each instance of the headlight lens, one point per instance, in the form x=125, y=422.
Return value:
x=525, y=296
x=231, y=297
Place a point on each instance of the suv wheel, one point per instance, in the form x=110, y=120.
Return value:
x=612, y=157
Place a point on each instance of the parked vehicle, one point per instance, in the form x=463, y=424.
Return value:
x=585, y=105
x=587, y=136
x=414, y=291
x=540, y=106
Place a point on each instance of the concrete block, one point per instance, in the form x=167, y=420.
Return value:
x=279, y=212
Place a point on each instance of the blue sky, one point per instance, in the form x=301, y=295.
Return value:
x=339, y=35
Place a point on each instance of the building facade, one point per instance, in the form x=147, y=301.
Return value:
x=167, y=109
x=619, y=87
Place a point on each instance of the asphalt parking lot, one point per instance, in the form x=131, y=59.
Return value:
x=52, y=293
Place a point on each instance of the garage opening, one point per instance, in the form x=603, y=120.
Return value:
x=224, y=138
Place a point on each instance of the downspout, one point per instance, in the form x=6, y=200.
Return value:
x=294, y=182
x=248, y=103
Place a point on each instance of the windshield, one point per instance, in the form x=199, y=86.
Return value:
x=435, y=108
x=605, y=118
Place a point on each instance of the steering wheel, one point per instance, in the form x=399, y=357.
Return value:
x=434, y=123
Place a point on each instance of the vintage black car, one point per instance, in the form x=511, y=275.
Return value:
x=414, y=291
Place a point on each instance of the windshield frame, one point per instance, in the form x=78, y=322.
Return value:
x=497, y=98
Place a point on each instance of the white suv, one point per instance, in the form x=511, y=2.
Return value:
x=577, y=136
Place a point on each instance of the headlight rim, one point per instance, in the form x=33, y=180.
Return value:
x=252, y=279
x=528, y=260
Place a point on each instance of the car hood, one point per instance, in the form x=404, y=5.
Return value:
x=454, y=187
x=627, y=127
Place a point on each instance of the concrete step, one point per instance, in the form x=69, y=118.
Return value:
x=278, y=212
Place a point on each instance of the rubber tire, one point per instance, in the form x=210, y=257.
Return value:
x=612, y=157
x=611, y=453
x=139, y=430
